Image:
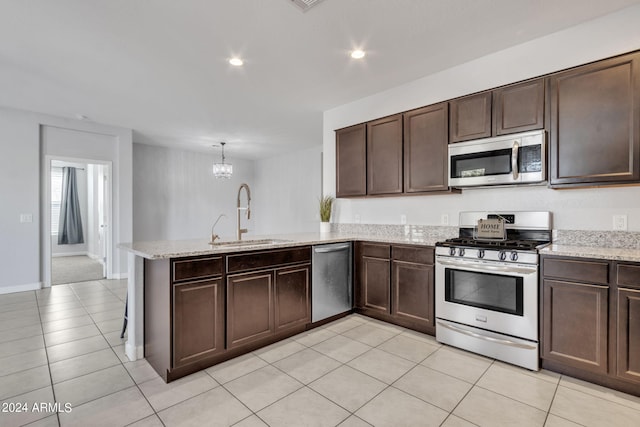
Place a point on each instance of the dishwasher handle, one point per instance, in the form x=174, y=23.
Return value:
x=333, y=248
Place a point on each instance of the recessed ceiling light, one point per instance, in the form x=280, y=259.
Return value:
x=236, y=61
x=357, y=54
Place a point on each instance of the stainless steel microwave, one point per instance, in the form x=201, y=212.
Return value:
x=509, y=159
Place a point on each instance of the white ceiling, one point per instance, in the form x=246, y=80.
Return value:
x=160, y=67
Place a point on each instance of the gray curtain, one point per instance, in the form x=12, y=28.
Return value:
x=70, y=224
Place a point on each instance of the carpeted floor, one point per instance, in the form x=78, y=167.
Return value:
x=73, y=269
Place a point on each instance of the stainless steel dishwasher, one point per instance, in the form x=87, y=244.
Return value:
x=331, y=287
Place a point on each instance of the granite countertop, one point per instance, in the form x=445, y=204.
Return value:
x=182, y=248
x=613, y=254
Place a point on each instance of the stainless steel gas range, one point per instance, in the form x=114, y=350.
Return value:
x=487, y=288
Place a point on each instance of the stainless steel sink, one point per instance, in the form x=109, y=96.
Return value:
x=242, y=243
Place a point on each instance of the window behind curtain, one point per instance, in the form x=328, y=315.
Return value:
x=56, y=197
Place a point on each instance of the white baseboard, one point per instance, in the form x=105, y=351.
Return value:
x=69, y=254
x=119, y=276
x=133, y=352
x=20, y=288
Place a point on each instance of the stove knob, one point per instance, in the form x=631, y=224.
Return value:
x=480, y=253
x=461, y=251
x=502, y=255
x=514, y=256
x=452, y=251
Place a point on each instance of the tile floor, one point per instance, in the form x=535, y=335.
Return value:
x=62, y=345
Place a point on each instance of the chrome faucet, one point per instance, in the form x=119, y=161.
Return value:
x=241, y=231
x=213, y=235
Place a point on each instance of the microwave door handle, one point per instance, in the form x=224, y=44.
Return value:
x=514, y=160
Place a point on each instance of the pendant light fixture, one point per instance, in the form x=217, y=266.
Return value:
x=222, y=169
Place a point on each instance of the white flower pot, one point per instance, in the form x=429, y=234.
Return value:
x=325, y=227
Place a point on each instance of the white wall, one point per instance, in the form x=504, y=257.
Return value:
x=177, y=197
x=573, y=209
x=287, y=191
x=20, y=192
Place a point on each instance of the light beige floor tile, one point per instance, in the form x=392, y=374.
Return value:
x=486, y=408
x=303, y=408
x=72, y=322
x=19, y=333
x=595, y=390
x=589, y=410
x=23, y=382
x=457, y=363
x=17, y=307
x=348, y=387
x=120, y=351
x=81, y=365
x=117, y=409
x=50, y=421
x=307, y=365
x=556, y=421
x=20, y=313
x=542, y=374
x=343, y=325
x=382, y=365
x=93, y=386
x=235, y=368
x=140, y=370
x=76, y=348
x=60, y=306
x=394, y=408
x=45, y=300
x=63, y=314
x=341, y=348
x=453, y=421
x=110, y=325
x=68, y=335
x=216, y=407
x=108, y=315
x=441, y=390
x=314, y=336
x=370, y=334
x=113, y=338
x=22, y=345
x=262, y=387
x=23, y=361
x=252, y=421
x=519, y=386
x=19, y=322
x=99, y=308
x=152, y=421
x=27, y=401
x=384, y=325
x=279, y=350
x=429, y=339
x=162, y=395
x=408, y=348
x=354, y=421
x=17, y=298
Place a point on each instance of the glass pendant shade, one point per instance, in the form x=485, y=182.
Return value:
x=222, y=169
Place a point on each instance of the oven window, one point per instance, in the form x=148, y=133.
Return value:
x=497, y=162
x=484, y=290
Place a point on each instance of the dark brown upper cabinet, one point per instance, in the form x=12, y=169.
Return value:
x=425, y=149
x=470, y=117
x=351, y=161
x=384, y=155
x=594, y=123
x=519, y=107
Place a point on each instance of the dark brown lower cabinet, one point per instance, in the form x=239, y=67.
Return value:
x=628, y=348
x=249, y=307
x=396, y=284
x=292, y=299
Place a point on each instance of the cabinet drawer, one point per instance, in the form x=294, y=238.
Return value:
x=267, y=259
x=376, y=250
x=577, y=270
x=196, y=268
x=413, y=254
x=628, y=275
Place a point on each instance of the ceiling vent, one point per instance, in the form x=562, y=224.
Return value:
x=305, y=4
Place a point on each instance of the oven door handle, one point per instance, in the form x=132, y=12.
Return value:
x=483, y=337
x=475, y=267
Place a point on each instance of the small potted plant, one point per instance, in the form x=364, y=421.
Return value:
x=326, y=204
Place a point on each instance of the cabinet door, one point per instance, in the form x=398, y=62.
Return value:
x=575, y=319
x=595, y=122
x=198, y=321
x=351, y=161
x=628, y=342
x=292, y=302
x=413, y=288
x=384, y=155
x=249, y=307
x=375, y=283
x=518, y=108
x=426, y=135
x=470, y=117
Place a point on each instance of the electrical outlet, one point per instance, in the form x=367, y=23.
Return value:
x=444, y=219
x=356, y=218
x=26, y=218
x=403, y=219
x=620, y=222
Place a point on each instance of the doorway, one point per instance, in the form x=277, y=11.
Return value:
x=77, y=250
